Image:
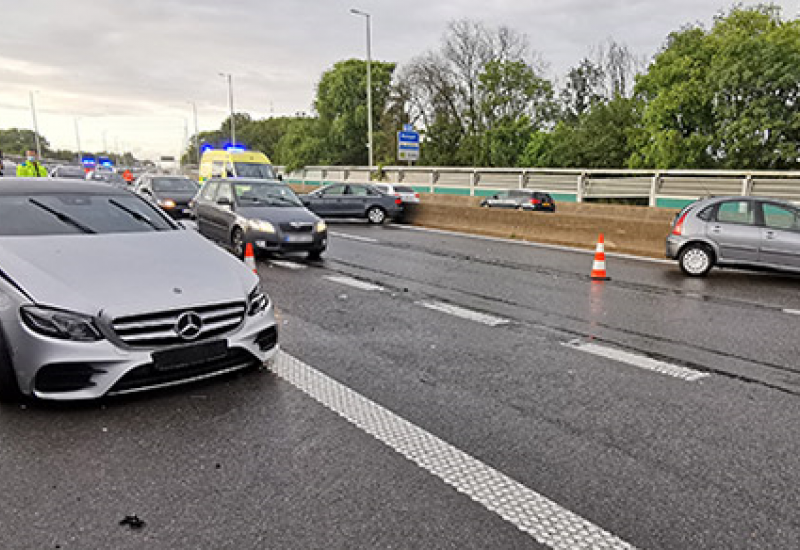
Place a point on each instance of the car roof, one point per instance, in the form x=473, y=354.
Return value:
x=44, y=186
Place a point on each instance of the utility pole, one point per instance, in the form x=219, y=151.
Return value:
x=196, y=131
x=36, y=129
x=367, y=18
x=230, y=104
x=78, y=140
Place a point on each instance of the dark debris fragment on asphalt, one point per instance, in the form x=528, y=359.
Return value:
x=134, y=522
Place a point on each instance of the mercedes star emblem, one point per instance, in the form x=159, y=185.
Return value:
x=189, y=325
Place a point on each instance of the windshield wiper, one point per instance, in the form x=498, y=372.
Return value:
x=66, y=218
x=134, y=214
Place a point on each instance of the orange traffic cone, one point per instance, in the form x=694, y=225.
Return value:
x=250, y=258
x=599, y=265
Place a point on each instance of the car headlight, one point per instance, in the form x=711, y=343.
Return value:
x=321, y=226
x=257, y=301
x=166, y=203
x=57, y=323
x=261, y=225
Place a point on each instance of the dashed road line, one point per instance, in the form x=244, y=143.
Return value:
x=355, y=283
x=640, y=361
x=353, y=237
x=464, y=313
x=541, y=518
x=792, y=311
x=288, y=265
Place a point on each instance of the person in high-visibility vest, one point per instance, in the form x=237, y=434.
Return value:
x=31, y=168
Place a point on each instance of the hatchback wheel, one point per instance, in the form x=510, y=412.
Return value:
x=376, y=215
x=237, y=243
x=696, y=260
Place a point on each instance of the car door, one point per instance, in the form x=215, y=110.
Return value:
x=356, y=200
x=327, y=201
x=204, y=207
x=501, y=200
x=780, y=243
x=735, y=231
x=223, y=214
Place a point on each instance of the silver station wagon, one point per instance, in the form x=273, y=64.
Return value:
x=756, y=232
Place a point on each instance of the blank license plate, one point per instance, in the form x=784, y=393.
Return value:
x=299, y=238
x=187, y=356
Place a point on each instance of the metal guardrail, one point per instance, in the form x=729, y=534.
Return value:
x=666, y=188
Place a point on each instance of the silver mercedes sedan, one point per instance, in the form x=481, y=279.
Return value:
x=101, y=293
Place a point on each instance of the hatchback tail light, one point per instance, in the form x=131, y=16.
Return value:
x=535, y=201
x=678, y=228
x=416, y=195
x=398, y=201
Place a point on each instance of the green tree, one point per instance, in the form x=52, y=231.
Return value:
x=726, y=97
x=15, y=141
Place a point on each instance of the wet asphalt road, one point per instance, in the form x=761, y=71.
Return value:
x=250, y=461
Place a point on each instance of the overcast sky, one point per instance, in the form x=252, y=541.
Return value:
x=127, y=69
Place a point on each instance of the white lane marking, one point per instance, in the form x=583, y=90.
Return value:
x=464, y=313
x=353, y=237
x=676, y=371
x=535, y=245
x=288, y=265
x=792, y=311
x=355, y=283
x=546, y=521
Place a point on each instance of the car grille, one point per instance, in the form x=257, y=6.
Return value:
x=159, y=329
x=148, y=376
x=301, y=227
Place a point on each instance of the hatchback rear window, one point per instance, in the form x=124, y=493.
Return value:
x=74, y=213
x=403, y=189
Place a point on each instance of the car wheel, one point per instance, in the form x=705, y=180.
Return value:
x=315, y=254
x=376, y=215
x=9, y=387
x=696, y=260
x=237, y=243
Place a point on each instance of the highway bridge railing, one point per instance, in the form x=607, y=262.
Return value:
x=662, y=188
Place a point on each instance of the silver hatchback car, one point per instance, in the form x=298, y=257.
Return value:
x=736, y=231
x=102, y=293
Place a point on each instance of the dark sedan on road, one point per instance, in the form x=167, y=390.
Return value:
x=756, y=232
x=352, y=200
x=172, y=193
x=266, y=213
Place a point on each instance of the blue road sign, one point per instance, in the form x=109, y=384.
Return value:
x=408, y=144
x=408, y=137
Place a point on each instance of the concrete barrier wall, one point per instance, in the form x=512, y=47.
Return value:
x=627, y=229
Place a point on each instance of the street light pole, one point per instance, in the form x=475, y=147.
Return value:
x=230, y=103
x=36, y=128
x=367, y=18
x=78, y=140
x=196, y=132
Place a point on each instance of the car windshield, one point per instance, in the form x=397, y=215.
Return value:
x=76, y=213
x=174, y=184
x=253, y=170
x=265, y=194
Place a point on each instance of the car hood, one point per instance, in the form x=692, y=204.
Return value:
x=277, y=214
x=124, y=273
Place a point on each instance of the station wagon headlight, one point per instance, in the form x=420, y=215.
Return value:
x=261, y=225
x=257, y=301
x=57, y=323
x=321, y=226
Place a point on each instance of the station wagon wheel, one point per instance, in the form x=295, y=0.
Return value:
x=696, y=260
x=237, y=243
x=376, y=215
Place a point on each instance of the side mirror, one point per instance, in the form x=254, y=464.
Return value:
x=224, y=201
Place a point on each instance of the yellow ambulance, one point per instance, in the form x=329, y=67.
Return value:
x=235, y=162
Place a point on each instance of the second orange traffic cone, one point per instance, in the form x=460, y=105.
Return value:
x=599, y=265
x=250, y=258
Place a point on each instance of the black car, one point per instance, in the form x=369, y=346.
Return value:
x=353, y=200
x=172, y=193
x=266, y=213
x=521, y=199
